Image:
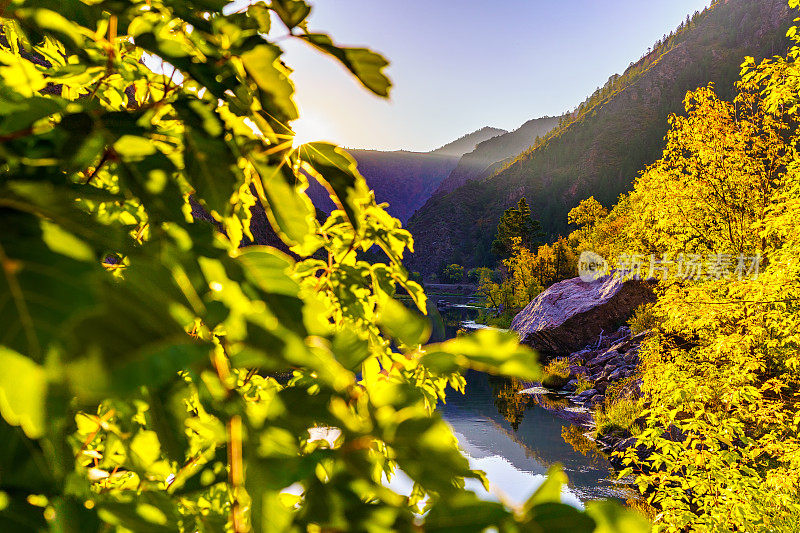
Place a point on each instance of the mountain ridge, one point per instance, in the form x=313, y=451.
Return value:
x=406, y=179
x=599, y=149
x=468, y=142
x=478, y=162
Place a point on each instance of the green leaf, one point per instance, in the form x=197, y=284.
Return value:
x=612, y=517
x=20, y=74
x=550, y=490
x=40, y=290
x=290, y=213
x=49, y=20
x=268, y=513
x=464, y=512
x=557, y=518
x=486, y=350
x=18, y=115
x=364, y=63
x=23, y=393
x=263, y=64
x=134, y=338
x=268, y=269
x=57, y=204
x=22, y=463
x=65, y=243
x=350, y=350
x=133, y=147
x=158, y=364
x=146, y=448
x=260, y=14
x=209, y=164
x=291, y=12
x=337, y=171
x=402, y=324
x=429, y=437
x=167, y=416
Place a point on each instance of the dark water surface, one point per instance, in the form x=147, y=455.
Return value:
x=515, y=440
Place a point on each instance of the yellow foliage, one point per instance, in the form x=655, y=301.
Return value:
x=721, y=371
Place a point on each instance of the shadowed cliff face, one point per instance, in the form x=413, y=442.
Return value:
x=600, y=153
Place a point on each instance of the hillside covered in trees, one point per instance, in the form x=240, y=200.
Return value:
x=715, y=221
x=600, y=147
x=477, y=163
x=468, y=142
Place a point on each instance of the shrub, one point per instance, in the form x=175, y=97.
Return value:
x=453, y=274
x=478, y=275
x=583, y=385
x=643, y=319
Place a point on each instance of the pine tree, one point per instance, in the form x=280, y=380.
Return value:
x=517, y=222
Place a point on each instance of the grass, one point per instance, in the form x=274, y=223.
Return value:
x=555, y=374
x=558, y=367
x=583, y=385
x=619, y=414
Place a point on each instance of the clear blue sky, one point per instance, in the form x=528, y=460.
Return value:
x=459, y=65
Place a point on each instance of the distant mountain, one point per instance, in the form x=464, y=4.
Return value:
x=600, y=148
x=478, y=162
x=405, y=180
x=468, y=142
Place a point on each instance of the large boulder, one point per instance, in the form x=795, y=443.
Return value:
x=572, y=313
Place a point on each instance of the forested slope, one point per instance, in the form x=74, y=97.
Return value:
x=600, y=149
x=477, y=163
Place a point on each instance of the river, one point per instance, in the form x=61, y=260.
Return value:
x=513, y=438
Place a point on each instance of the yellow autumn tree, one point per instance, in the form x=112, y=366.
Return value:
x=720, y=374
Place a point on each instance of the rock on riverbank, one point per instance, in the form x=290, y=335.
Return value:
x=580, y=321
x=573, y=313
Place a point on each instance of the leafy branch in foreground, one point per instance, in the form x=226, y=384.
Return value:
x=143, y=350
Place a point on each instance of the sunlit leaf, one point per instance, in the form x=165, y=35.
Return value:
x=364, y=63
x=291, y=12
x=336, y=170
x=23, y=393
x=614, y=518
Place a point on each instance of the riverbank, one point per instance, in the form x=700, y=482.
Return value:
x=600, y=390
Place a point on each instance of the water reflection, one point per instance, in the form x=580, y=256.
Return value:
x=511, y=436
x=517, y=440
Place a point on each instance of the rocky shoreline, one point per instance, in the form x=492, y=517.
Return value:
x=611, y=362
x=576, y=324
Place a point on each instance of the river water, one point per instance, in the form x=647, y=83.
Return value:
x=514, y=439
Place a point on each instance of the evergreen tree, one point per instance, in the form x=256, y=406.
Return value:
x=517, y=222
